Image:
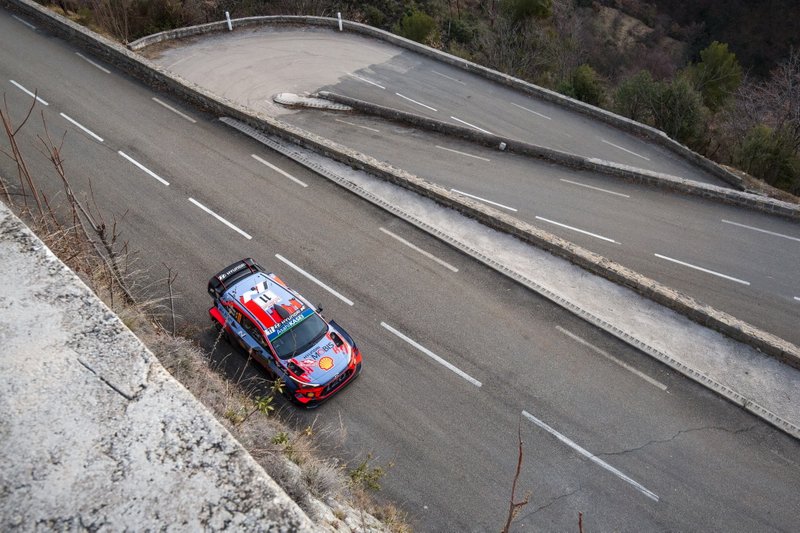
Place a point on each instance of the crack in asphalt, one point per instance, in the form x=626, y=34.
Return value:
x=675, y=436
x=550, y=503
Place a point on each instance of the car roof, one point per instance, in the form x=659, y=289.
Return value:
x=273, y=307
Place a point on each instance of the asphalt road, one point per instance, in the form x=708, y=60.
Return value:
x=738, y=261
x=668, y=454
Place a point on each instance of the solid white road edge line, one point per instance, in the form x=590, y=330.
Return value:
x=448, y=77
x=463, y=153
x=315, y=280
x=530, y=111
x=797, y=298
x=365, y=80
x=213, y=214
x=611, y=358
x=26, y=91
x=28, y=24
x=357, y=125
x=141, y=166
x=576, y=229
x=761, y=230
x=650, y=494
x=420, y=250
x=279, y=171
x=415, y=102
x=625, y=150
x=101, y=67
x=595, y=188
x=432, y=355
x=484, y=200
x=701, y=269
x=472, y=125
x=180, y=114
x=81, y=126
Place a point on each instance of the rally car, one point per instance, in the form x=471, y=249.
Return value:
x=287, y=335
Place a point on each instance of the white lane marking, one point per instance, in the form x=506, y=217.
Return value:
x=701, y=269
x=180, y=114
x=365, y=80
x=141, y=166
x=797, y=298
x=484, y=200
x=279, y=171
x=213, y=214
x=471, y=125
x=420, y=250
x=530, y=111
x=448, y=77
x=26, y=91
x=357, y=125
x=101, y=67
x=593, y=458
x=28, y=24
x=415, y=102
x=611, y=358
x=761, y=230
x=462, y=153
x=432, y=355
x=315, y=280
x=81, y=126
x=595, y=235
x=595, y=188
x=625, y=149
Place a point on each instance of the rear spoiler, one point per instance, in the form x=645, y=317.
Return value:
x=231, y=274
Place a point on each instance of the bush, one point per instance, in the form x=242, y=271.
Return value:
x=417, y=26
x=374, y=16
x=585, y=85
x=678, y=110
x=769, y=155
x=634, y=97
x=520, y=10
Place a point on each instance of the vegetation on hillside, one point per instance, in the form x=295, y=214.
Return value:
x=668, y=71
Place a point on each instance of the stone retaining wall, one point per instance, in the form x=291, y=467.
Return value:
x=158, y=78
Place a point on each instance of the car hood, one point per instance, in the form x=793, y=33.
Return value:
x=325, y=360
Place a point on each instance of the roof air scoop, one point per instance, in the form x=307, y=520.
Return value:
x=282, y=312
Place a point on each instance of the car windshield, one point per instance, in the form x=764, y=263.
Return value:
x=300, y=338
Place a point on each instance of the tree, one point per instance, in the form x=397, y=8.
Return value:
x=677, y=109
x=770, y=155
x=521, y=10
x=717, y=75
x=635, y=96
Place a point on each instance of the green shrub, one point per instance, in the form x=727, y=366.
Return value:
x=585, y=85
x=769, y=155
x=678, y=110
x=417, y=26
x=634, y=97
x=520, y=10
x=374, y=16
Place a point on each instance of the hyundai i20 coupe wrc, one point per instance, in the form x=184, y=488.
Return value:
x=290, y=338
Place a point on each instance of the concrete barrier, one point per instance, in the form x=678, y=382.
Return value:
x=158, y=78
x=636, y=175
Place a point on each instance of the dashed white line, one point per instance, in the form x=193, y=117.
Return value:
x=179, y=113
x=471, y=125
x=365, y=80
x=415, y=102
x=593, y=458
x=797, y=298
x=448, y=77
x=595, y=188
x=84, y=128
x=141, y=166
x=357, y=125
x=595, y=235
x=625, y=149
x=213, y=214
x=99, y=66
x=701, y=269
x=611, y=358
x=484, y=200
x=29, y=93
x=432, y=355
x=761, y=230
x=279, y=171
x=28, y=24
x=315, y=280
x=462, y=153
x=531, y=111
x=420, y=250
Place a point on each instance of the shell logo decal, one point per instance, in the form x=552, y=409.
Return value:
x=326, y=363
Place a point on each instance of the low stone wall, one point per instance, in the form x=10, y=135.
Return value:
x=95, y=434
x=160, y=79
x=664, y=181
x=603, y=115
